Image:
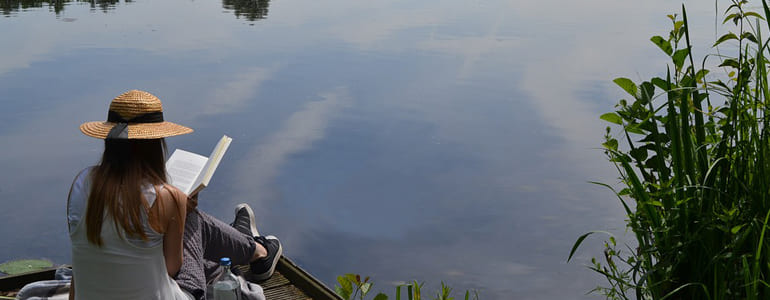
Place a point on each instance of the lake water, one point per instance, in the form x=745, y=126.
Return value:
x=433, y=140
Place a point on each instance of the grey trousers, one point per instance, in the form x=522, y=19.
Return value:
x=205, y=241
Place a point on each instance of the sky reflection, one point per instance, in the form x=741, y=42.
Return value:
x=425, y=140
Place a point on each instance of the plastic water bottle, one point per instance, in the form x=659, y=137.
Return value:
x=226, y=287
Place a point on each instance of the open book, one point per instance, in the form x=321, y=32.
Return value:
x=192, y=172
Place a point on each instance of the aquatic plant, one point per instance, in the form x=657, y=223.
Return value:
x=352, y=287
x=694, y=158
x=21, y=266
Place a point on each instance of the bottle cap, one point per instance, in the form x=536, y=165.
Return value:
x=224, y=261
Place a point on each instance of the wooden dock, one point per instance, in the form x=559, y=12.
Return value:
x=289, y=282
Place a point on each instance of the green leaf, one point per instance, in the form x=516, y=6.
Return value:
x=24, y=266
x=639, y=154
x=620, y=158
x=663, y=44
x=351, y=277
x=659, y=82
x=580, y=241
x=726, y=37
x=365, y=287
x=346, y=286
x=646, y=91
x=735, y=229
x=417, y=292
x=730, y=62
x=611, y=144
x=679, y=57
x=612, y=118
x=686, y=80
x=748, y=36
x=753, y=14
x=677, y=25
x=647, y=126
x=731, y=17
x=340, y=291
x=627, y=85
x=634, y=128
x=699, y=76
x=381, y=296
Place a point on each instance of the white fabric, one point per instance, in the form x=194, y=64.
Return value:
x=120, y=268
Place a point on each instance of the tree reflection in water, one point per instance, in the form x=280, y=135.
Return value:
x=8, y=7
x=251, y=10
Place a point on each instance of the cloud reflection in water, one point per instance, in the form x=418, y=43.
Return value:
x=407, y=140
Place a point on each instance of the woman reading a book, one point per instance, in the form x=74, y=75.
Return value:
x=133, y=235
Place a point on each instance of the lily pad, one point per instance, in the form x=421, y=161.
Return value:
x=24, y=266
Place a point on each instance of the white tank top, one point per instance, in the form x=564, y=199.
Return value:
x=122, y=268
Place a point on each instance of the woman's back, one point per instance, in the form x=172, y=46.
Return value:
x=122, y=267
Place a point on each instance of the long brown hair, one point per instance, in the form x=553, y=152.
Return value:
x=117, y=181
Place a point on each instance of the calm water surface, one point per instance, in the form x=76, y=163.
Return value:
x=432, y=140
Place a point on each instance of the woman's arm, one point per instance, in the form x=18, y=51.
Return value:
x=172, y=214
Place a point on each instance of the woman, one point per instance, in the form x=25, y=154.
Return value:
x=136, y=237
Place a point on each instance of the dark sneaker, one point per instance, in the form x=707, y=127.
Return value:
x=263, y=268
x=244, y=220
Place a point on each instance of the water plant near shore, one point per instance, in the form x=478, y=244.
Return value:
x=352, y=287
x=695, y=160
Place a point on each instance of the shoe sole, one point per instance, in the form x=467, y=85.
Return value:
x=265, y=276
x=251, y=217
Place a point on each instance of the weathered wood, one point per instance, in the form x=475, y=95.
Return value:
x=15, y=282
x=285, y=292
x=275, y=281
x=304, y=281
x=289, y=282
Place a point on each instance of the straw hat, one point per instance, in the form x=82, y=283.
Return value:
x=134, y=115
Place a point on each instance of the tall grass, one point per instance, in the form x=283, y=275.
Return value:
x=694, y=162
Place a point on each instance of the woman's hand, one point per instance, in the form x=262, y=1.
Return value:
x=192, y=202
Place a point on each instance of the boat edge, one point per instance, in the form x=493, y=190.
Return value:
x=304, y=281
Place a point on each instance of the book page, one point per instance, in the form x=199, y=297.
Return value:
x=184, y=168
x=211, y=165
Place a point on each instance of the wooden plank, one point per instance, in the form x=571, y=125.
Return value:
x=275, y=281
x=285, y=292
x=15, y=282
x=304, y=281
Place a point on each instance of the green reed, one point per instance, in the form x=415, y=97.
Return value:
x=695, y=169
x=351, y=287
